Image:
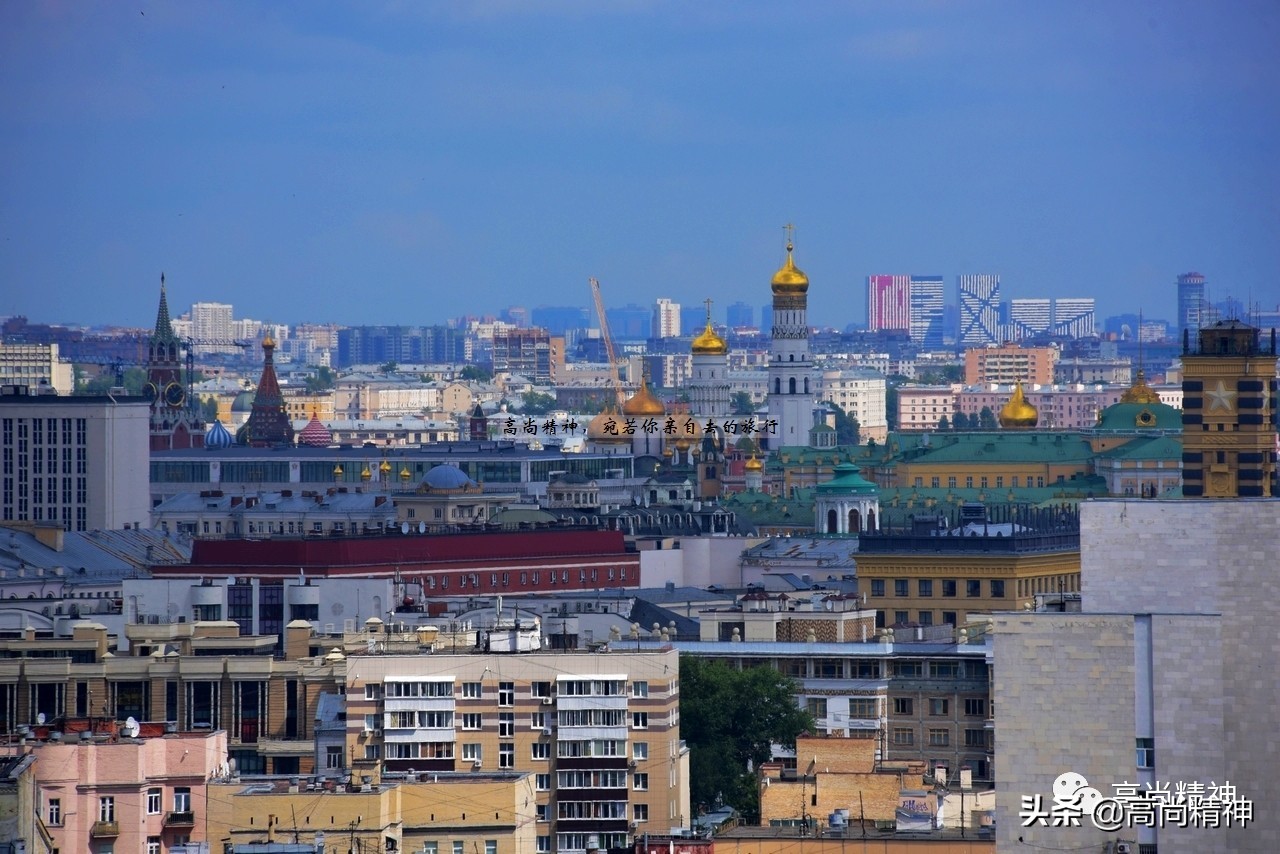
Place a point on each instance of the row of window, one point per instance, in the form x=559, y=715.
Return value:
x=948, y=587
x=974, y=707
x=939, y=737
x=107, y=805
x=506, y=690
x=983, y=482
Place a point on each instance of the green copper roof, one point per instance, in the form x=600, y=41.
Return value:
x=848, y=480
x=1139, y=417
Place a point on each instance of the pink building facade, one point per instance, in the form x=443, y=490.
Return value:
x=110, y=793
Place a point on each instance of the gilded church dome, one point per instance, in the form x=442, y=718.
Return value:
x=790, y=280
x=754, y=464
x=709, y=343
x=1018, y=413
x=1140, y=392
x=643, y=404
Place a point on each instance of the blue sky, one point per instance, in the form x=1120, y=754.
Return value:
x=407, y=162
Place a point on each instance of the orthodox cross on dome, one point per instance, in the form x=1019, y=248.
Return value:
x=791, y=234
x=708, y=302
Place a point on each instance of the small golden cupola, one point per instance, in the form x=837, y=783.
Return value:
x=644, y=403
x=790, y=280
x=1140, y=392
x=709, y=343
x=754, y=464
x=1018, y=413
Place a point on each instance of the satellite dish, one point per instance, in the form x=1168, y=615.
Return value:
x=131, y=727
x=40, y=719
x=404, y=527
x=422, y=527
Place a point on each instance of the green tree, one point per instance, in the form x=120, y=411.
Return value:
x=209, y=409
x=537, y=403
x=134, y=380
x=847, y=426
x=962, y=422
x=986, y=419
x=388, y=367
x=944, y=423
x=322, y=380
x=475, y=373
x=741, y=404
x=730, y=718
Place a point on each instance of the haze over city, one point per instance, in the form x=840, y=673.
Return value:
x=414, y=162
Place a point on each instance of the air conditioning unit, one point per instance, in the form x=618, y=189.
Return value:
x=631, y=764
x=477, y=764
x=546, y=730
x=1124, y=848
x=634, y=825
x=546, y=701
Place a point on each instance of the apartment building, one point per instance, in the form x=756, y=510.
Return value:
x=600, y=731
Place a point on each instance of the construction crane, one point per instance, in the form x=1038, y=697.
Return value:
x=618, y=391
x=190, y=345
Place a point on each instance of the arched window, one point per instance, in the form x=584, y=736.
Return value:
x=777, y=385
x=831, y=521
x=791, y=384
x=806, y=385
x=855, y=521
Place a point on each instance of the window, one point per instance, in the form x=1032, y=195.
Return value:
x=907, y=669
x=182, y=799
x=55, y=812
x=939, y=706
x=472, y=753
x=153, y=801
x=863, y=707
x=506, y=693
x=373, y=691
x=640, y=750
x=948, y=588
x=491, y=846
x=333, y=757
x=975, y=707
x=506, y=724
x=153, y=845
x=903, y=735
x=542, y=782
x=640, y=782
x=901, y=586
x=373, y=723
x=431, y=848
x=939, y=737
x=901, y=618
x=903, y=706
x=975, y=738
x=949, y=618
x=544, y=845
x=640, y=812
x=640, y=689
x=997, y=589
x=458, y=846
x=639, y=720
x=106, y=808
x=472, y=690
x=541, y=750
x=973, y=589
x=472, y=720
x=1146, y=752
x=541, y=812
x=926, y=586
x=538, y=690
x=944, y=669
x=877, y=587
x=538, y=720
x=926, y=618
x=506, y=756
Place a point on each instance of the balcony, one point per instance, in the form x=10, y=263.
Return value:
x=180, y=819
x=104, y=829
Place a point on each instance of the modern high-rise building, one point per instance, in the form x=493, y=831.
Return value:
x=888, y=303
x=791, y=395
x=1229, y=392
x=212, y=328
x=979, y=299
x=559, y=319
x=1029, y=318
x=740, y=315
x=531, y=352
x=666, y=319
x=1193, y=302
x=927, y=312
x=1073, y=317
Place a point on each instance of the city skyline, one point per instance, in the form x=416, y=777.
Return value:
x=370, y=164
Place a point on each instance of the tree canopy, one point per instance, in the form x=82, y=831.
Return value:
x=475, y=373
x=740, y=403
x=847, y=427
x=730, y=719
x=537, y=403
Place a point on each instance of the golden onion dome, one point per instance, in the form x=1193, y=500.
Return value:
x=709, y=343
x=1140, y=392
x=790, y=280
x=385, y=468
x=643, y=404
x=268, y=341
x=365, y=474
x=597, y=432
x=1018, y=412
x=754, y=464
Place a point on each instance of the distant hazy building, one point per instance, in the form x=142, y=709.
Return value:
x=666, y=319
x=979, y=299
x=740, y=315
x=37, y=366
x=1073, y=317
x=629, y=321
x=1029, y=318
x=559, y=319
x=927, y=312
x=410, y=345
x=212, y=328
x=1193, y=303
x=1008, y=364
x=531, y=352
x=888, y=303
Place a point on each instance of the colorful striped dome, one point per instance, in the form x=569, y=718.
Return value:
x=315, y=434
x=218, y=437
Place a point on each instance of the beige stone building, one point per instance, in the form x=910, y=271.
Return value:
x=599, y=732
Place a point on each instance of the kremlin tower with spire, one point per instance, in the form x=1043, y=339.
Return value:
x=268, y=425
x=175, y=425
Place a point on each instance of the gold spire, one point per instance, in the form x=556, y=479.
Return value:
x=1018, y=413
x=709, y=343
x=790, y=280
